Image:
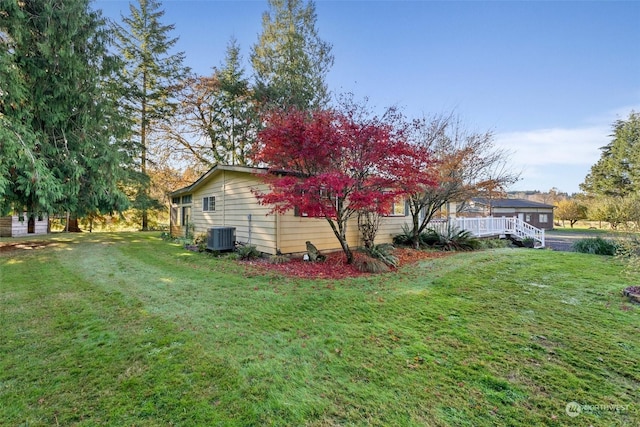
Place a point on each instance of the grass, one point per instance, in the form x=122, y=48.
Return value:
x=124, y=329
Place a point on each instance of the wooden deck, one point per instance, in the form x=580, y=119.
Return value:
x=493, y=227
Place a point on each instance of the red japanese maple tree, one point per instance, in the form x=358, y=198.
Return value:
x=333, y=164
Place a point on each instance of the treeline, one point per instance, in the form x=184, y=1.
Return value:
x=97, y=117
x=100, y=118
x=611, y=190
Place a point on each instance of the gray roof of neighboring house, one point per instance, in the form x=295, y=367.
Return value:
x=512, y=203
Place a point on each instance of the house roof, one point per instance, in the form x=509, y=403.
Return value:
x=212, y=173
x=512, y=203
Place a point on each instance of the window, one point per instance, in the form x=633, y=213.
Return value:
x=175, y=200
x=544, y=218
x=208, y=204
x=186, y=215
x=186, y=199
x=398, y=208
x=527, y=217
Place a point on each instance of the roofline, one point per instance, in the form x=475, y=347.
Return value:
x=200, y=181
x=531, y=203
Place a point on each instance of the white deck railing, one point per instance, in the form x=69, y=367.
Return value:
x=490, y=226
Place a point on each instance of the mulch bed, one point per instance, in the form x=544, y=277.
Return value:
x=335, y=266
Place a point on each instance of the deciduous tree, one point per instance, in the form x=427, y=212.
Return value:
x=216, y=119
x=570, y=210
x=332, y=165
x=467, y=164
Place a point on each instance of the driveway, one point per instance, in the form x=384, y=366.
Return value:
x=561, y=240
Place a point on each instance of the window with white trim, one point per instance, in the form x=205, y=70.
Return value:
x=544, y=218
x=209, y=204
x=398, y=207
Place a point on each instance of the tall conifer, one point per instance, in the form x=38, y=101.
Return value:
x=150, y=72
x=290, y=60
x=60, y=131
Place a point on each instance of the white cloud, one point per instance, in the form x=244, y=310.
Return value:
x=555, y=146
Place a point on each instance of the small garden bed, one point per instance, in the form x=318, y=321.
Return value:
x=335, y=266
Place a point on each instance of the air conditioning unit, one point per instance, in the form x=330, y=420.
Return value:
x=221, y=239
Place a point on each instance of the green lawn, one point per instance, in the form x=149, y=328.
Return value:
x=125, y=329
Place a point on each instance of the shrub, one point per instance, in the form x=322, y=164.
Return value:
x=247, y=252
x=453, y=239
x=404, y=238
x=494, y=243
x=528, y=242
x=279, y=259
x=628, y=251
x=595, y=246
x=429, y=238
x=201, y=242
x=367, y=264
x=383, y=253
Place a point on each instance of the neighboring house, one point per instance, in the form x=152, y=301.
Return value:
x=225, y=197
x=22, y=224
x=537, y=214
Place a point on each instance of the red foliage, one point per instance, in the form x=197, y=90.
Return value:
x=331, y=164
x=335, y=266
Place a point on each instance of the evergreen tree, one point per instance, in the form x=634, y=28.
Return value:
x=290, y=60
x=617, y=172
x=150, y=73
x=238, y=121
x=60, y=129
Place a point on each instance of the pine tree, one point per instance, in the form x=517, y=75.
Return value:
x=290, y=60
x=237, y=121
x=150, y=73
x=617, y=172
x=60, y=130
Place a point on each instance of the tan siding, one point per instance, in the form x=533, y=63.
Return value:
x=296, y=231
x=390, y=227
x=234, y=203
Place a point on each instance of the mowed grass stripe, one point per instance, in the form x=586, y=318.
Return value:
x=502, y=337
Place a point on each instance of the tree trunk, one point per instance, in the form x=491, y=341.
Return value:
x=72, y=225
x=342, y=239
x=143, y=144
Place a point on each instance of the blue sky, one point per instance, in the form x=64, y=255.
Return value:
x=548, y=77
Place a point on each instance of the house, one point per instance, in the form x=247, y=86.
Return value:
x=537, y=214
x=225, y=197
x=23, y=223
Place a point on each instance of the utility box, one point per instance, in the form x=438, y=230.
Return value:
x=221, y=239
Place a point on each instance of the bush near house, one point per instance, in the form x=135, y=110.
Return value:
x=595, y=246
